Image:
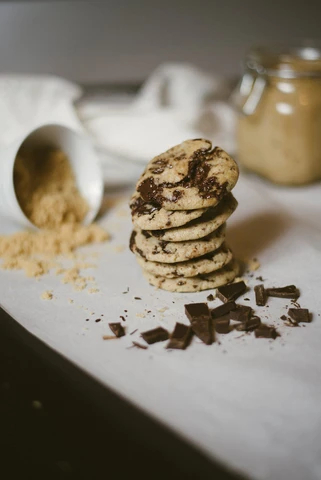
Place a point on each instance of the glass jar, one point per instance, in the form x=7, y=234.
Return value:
x=279, y=127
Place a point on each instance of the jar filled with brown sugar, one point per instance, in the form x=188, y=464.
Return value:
x=279, y=127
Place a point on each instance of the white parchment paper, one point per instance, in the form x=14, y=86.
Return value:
x=254, y=404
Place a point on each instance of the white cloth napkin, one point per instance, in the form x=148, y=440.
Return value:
x=28, y=101
x=177, y=102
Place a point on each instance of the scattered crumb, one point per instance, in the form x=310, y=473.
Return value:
x=70, y=300
x=141, y=315
x=109, y=337
x=253, y=264
x=162, y=310
x=93, y=290
x=47, y=295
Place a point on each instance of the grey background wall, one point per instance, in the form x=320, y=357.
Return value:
x=122, y=41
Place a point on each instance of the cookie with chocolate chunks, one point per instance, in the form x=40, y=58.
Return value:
x=189, y=176
x=197, y=283
x=156, y=250
x=211, y=220
x=150, y=216
x=206, y=264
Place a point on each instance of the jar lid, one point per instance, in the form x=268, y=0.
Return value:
x=285, y=61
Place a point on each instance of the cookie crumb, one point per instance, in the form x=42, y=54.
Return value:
x=162, y=310
x=93, y=290
x=47, y=295
x=254, y=264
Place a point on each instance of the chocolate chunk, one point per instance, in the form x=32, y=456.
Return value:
x=266, y=331
x=150, y=191
x=232, y=291
x=201, y=322
x=181, y=337
x=241, y=313
x=122, y=318
x=210, y=298
x=155, y=335
x=222, y=324
x=260, y=295
x=300, y=315
x=249, y=325
x=132, y=242
x=222, y=309
x=117, y=329
x=290, y=291
x=137, y=298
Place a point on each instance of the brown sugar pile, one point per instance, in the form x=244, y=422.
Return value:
x=46, y=189
x=48, y=195
x=37, y=252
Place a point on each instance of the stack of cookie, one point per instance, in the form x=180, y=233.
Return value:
x=179, y=210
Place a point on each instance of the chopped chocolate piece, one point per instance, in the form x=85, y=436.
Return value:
x=300, y=315
x=98, y=320
x=260, y=295
x=222, y=309
x=290, y=291
x=137, y=298
x=158, y=334
x=260, y=278
x=283, y=317
x=139, y=345
x=241, y=313
x=266, y=331
x=181, y=337
x=134, y=331
x=117, y=329
x=249, y=325
x=232, y=291
x=200, y=318
x=210, y=298
x=222, y=324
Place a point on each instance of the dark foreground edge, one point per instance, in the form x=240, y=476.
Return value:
x=59, y=423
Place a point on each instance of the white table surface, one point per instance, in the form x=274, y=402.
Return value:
x=253, y=404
